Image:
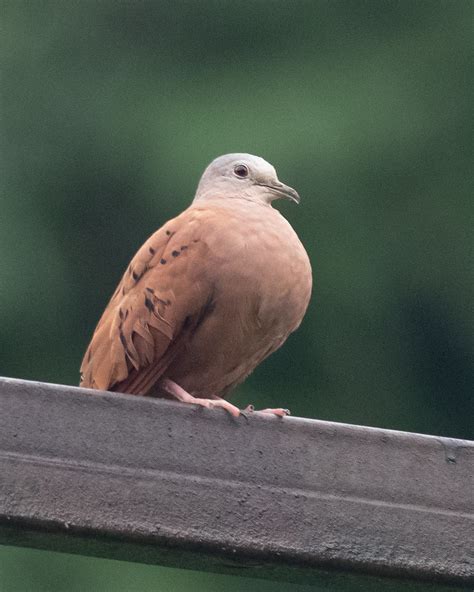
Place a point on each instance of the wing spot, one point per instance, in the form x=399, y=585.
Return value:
x=124, y=343
x=175, y=253
x=135, y=276
x=149, y=304
x=162, y=261
x=152, y=250
x=184, y=247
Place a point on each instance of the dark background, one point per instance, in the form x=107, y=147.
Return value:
x=110, y=112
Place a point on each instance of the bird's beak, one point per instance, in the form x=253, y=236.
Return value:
x=284, y=191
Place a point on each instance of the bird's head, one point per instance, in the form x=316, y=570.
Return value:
x=243, y=176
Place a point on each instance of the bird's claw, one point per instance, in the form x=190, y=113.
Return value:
x=218, y=404
x=279, y=411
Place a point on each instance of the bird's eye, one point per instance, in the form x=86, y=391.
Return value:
x=241, y=171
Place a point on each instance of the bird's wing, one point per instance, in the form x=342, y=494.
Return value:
x=161, y=298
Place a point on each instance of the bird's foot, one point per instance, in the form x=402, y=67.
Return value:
x=278, y=411
x=216, y=404
x=177, y=392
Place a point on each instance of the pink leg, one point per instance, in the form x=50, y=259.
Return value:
x=279, y=411
x=178, y=393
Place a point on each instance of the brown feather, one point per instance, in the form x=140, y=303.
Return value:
x=130, y=347
x=203, y=302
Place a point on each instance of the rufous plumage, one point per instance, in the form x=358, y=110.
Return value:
x=209, y=295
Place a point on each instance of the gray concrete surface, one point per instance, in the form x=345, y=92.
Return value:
x=297, y=499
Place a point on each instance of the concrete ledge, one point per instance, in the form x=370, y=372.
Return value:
x=296, y=499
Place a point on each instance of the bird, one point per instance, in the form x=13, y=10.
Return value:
x=208, y=296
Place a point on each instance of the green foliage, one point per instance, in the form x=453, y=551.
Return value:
x=110, y=112
x=40, y=571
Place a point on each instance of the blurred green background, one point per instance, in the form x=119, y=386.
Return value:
x=111, y=110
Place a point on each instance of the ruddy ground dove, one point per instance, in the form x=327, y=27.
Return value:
x=208, y=296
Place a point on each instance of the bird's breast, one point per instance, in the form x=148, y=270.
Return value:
x=262, y=264
x=259, y=280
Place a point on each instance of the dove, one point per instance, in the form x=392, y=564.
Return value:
x=208, y=296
